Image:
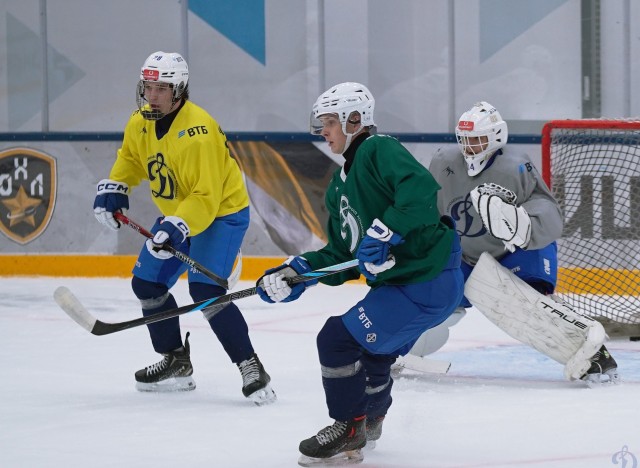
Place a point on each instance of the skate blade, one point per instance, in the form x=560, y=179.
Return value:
x=371, y=444
x=610, y=377
x=174, y=384
x=350, y=457
x=264, y=396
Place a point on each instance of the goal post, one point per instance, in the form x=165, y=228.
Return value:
x=593, y=169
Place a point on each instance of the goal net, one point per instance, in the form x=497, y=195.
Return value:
x=593, y=169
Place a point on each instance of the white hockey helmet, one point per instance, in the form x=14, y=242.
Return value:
x=163, y=67
x=482, y=120
x=343, y=100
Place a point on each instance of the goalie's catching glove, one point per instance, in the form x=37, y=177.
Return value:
x=373, y=252
x=112, y=196
x=272, y=287
x=170, y=230
x=501, y=218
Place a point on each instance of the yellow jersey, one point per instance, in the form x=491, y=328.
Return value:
x=190, y=170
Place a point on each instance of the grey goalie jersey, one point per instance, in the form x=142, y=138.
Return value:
x=513, y=170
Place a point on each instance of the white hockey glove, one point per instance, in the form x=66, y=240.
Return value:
x=272, y=287
x=500, y=216
x=170, y=230
x=112, y=196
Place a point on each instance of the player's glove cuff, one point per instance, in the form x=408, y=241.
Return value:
x=111, y=196
x=379, y=231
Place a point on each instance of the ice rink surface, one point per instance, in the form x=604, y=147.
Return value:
x=67, y=398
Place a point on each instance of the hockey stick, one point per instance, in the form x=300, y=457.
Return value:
x=176, y=253
x=74, y=308
x=421, y=364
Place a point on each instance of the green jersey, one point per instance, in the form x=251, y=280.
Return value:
x=384, y=181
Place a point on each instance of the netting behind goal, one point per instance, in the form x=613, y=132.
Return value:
x=593, y=169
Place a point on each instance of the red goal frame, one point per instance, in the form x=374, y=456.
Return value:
x=545, y=143
x=590, y=285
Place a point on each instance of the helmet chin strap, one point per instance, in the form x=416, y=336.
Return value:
x=350, y=136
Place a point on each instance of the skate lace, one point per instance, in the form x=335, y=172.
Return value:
x=158, y=366
x=249, y=370
x=331, y=433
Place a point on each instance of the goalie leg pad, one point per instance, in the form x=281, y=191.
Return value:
x=578, y=365
x=549, y=326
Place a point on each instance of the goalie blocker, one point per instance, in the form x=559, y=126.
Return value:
x=551, y=327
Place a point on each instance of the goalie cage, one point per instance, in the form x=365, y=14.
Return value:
x=593, y=169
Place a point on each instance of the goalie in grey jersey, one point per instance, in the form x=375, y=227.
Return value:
x=508, y=223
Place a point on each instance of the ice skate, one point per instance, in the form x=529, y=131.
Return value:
x=338, y=444
x=172, y=374
x=604, y=369
x=255, y=382
x=374, y=431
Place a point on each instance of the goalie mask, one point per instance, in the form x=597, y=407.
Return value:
x=346, y=101
x=480, y=133
x=161, y=70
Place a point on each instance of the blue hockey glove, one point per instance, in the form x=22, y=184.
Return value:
x=170, y=230
x=373, y=252
x=272, y=286
x=112, y=196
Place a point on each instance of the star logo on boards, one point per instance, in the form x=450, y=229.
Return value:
x=27, y=193
x=21, y=208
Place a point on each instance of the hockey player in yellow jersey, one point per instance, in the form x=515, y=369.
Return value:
x=198, y=188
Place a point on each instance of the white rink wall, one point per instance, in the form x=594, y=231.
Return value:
x=258, y=65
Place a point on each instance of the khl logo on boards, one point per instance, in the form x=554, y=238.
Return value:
x=27, y=193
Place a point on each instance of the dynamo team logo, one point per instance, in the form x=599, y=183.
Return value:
x=161, y=178
x=27, y=193
x=625, y=458
x=350, y=226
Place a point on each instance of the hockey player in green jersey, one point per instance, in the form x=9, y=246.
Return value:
x=383, y=211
